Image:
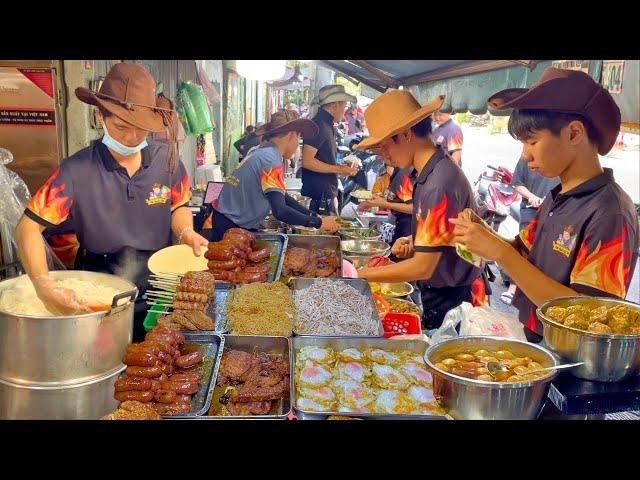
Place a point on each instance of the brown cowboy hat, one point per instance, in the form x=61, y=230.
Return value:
x=129, y=92
x=287, y=121
x=567, y=91
x=393, y=112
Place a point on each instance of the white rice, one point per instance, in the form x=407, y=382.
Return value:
x=21, y=299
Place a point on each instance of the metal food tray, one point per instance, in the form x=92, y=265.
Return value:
x=278, y=243
x=360, y=343
x=257, y=344
x=361, y=285
x=319, y=242
x=212, y=347
x=217, y=310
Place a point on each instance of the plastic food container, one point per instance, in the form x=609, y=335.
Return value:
x=401, y=324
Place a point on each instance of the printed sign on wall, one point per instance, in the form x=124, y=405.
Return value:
x=612, y=74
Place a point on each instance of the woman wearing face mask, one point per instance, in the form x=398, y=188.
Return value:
x=122, y=195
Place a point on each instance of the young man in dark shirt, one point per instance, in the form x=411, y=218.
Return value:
x=533, y=188
x=584, y=240
x=400, y=126
x=319, y=168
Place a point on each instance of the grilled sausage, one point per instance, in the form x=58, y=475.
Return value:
x=223, y=264
x=189, y=359
x=142, y=348
x=140, y=359
x=185, y=388
x=165, y=396
x=162, y=346
x=132, y=383
x=155, y=385
x=185, y=377
x=259, y=255
x=161, y=337
x=147, y=372
x=136, y=395
x=219, y=253
x=167, y=368
x=257, y=268
x=165, y=357
x=189, y=306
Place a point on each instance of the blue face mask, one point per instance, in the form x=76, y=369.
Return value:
x=113, y=144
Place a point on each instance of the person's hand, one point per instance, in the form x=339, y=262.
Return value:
x=59, y=301
x=362, y=207
x=477, y=237
x=195, y=241
x=329, y=224
x=535, y=201
x=403, y=248
x=347, y=170
x=375, y=201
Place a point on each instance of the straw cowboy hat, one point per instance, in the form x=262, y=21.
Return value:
x=287, y=121
x=393, y=112
x=567, y=91
x=129, y=92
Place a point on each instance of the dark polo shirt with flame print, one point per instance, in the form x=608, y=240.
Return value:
x=586, y=239
x=106, y=208
x=441, y=192
x=401, y=190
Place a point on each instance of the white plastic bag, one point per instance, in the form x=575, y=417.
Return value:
x=479, y=321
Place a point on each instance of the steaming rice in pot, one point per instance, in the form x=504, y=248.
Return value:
x=21, y=299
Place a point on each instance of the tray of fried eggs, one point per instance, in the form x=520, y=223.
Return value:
x=368, y=378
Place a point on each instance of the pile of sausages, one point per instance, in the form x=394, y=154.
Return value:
x=235, y=258
x=151, y=376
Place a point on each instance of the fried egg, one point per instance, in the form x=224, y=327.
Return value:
x=385, y=376
x=316, y=354
x=344, y=409
x=309, y=405
x=352, y=371
x=421, y=395
x=350, y=355
x=383, y=357
x=393, y=401
x=353, y=395
x=417, y=374
x=312, y=375
x=323, y=396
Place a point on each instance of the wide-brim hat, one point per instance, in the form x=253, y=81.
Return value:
x=567, y=91
x=393, y=112
x=287, y=121
x=129, y=92
x=334, y=93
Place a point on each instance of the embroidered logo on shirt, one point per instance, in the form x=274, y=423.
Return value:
x=158, y=195
x=565, y=242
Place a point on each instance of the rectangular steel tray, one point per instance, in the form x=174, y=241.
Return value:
x=361, y=285
x=278, y=243
x=217, y=310
x=342, y=343
x=251, y=344
x=212, y=346
x=317, y=241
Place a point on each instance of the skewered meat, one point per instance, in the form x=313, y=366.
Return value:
x=200, y=320
x=204, y=275
x=177, y=305
x=191, y=297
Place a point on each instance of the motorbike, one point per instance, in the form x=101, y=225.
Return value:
x=495, y=198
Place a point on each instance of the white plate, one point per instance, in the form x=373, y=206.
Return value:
x=178, y=259
x=362, y=194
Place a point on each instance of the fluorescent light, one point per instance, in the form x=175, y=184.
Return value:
x=263, y=70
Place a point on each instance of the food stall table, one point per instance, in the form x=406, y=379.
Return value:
x=573, y=396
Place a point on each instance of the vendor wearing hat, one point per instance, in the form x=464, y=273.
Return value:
x=401, y=127
x=319, y=168
x=584, y=240
x=257, y=185
x=122, y=195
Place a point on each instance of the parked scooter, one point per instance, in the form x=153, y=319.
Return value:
x=494, y=196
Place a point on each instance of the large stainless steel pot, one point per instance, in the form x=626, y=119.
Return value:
x=82, y=401
x=607, y=358
x=52, y=351
x=468, y=399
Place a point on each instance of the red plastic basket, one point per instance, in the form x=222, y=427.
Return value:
x=401, y=324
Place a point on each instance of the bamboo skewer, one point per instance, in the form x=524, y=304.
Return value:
x=163, y=286
x=157, y=304
x=154, y=294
